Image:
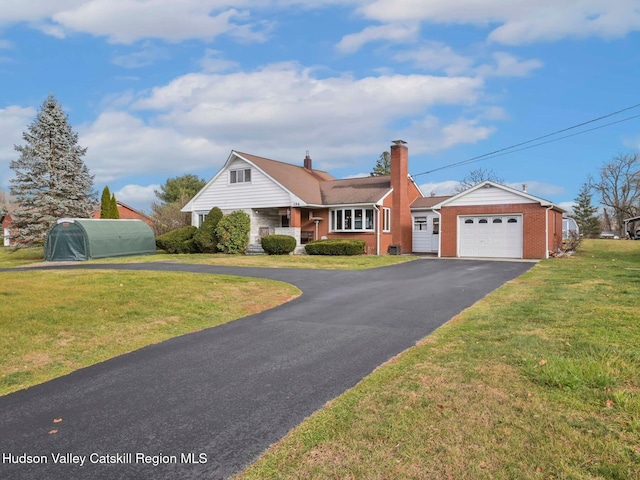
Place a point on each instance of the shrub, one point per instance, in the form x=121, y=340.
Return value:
x=336, y=247
x=205, y=239
x=233, y=232
x=278, y=244
x=179, y=240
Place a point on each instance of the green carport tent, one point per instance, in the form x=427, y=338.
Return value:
x=85, y=239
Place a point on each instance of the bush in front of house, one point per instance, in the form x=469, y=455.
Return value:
x=336, y=247
x=278, y=244
x=233, y=232
x=179, y=240
x=205, y=238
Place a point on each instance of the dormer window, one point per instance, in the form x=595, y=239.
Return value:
x=240, y=176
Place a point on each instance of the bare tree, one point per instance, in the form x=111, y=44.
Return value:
x=477, y=176
x=619, y=188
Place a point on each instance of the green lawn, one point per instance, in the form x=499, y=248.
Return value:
x=539, y=380
x=10, y=258
x=54, y=322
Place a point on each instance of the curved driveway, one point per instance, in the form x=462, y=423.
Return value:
x=230, y=391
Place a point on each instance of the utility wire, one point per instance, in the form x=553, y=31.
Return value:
x=503, y=151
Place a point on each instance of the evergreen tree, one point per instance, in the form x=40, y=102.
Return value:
x=105, y=203
x=383, y=165
x=51, y=180
x=114, y=207
x=584, y=213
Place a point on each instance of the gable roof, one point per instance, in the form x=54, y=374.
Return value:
x=313, y=187
x=302, y=182
x=355, y=190
x=429, y=202
x=489, y=183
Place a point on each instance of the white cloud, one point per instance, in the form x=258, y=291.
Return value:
x=213, y=62
x=137, y=196
x=506, y=65
x=538, y=189
x=448, y=187
x=437, y=56
x=432, y=135
x=120, y=145
x=283, y=109
x=146, y=55
x=519, y=21
x=391, y=32
x=126, y=21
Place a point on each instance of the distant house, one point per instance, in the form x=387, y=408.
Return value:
x=389, y=212
x=127, y=212
x=7, y=222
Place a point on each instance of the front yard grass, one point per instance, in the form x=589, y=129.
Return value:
x=539, y=380
x=54, y=322
x=11, y=258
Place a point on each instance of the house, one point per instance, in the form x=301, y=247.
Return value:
x=310, y=204
x=389, y=212
x=7, y=222
x=488, y=220
x=128, y=213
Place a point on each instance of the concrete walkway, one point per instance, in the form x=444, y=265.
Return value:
x=205, y=405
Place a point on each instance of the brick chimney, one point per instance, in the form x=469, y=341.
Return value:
x=400, y=212
x=307, y=161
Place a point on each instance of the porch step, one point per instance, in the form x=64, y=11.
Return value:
x=255, y=249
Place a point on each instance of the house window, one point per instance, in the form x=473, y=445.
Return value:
x=201, y=217
x=512, y=220
x=386, y=219
x=468, y=220
x=497, y=220
x=483, y=220
x=240, y=176
x=436, y=226
x=352, y=220
x=420, y=223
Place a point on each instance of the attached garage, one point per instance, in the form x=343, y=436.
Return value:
x=85, y=239
x=491, y=220
x=490, y=236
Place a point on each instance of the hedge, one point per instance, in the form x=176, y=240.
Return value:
x=336, y=247
x=278, y=244
x=179, y=240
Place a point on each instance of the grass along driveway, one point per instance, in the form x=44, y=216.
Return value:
x=16, y=258
x=54, y=322
x=539, y=380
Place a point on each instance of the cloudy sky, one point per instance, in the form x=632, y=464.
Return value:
x=160, y=88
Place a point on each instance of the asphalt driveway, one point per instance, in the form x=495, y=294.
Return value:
x=205, y=405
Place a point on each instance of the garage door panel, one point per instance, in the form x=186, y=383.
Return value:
x=497, y=236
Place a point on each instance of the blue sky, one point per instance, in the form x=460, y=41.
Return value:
x=161, y=88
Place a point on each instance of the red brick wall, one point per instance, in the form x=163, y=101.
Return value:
x=555, y=230
x=534, y=226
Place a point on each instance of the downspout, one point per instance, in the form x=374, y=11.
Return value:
x=377, y=230
x=439, y=234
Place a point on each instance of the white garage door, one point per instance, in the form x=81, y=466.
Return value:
x=490, y=236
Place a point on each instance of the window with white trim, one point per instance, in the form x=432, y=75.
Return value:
x=352, y=220
x=386, y=219
x=240, y=176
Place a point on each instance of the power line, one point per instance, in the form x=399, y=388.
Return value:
x=503, y=151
